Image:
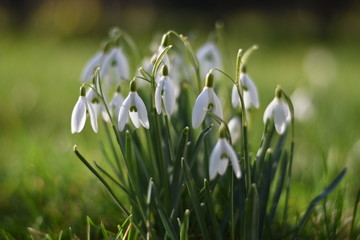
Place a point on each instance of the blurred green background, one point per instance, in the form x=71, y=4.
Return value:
x=45, y=44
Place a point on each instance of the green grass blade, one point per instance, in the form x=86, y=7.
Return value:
x=210, y=208
x=198, y=144
x=317, y=199
x=169, y=229
x=102, y=180
x=354, y=214
x=184, y=226
x=159, y=60
x=252, y=214
x=190, y=183
x=279, y=188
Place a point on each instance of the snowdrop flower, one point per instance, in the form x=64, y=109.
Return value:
x=134, y=106
x=163, y=45
x=165, y=93
x=78, y=116
x=251, y=97
x=209, y=57
x=207, y=100
x=279, y=110
x=90, y=66
x=96, y=104
x=116, y=102
x=220, y=156
x=115, y=66
x=235, y=128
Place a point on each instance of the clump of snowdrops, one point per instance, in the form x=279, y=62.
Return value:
x=177, y=151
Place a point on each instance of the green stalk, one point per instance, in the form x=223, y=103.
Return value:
x=102, y=180
x=232, y=205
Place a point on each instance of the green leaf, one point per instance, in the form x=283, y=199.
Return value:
x=198, y=144
x=210, y=208
x=252, y=214
x=184, y=226
x=194, y=196
x=317, y=199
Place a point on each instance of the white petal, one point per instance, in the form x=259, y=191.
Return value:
x=214, y=158
x=233, y=158
x=107, y=62
x=269, y=111
x=78, y=116
x=134, y=116
x=140, y=105
x=235, y=128
x=124, y=113
x=209, y=57
x=169, y=96
x=201, y=104
x=218, y=108
x=115, y=104
x=252, y=91
x=235, y=98
x=93, y=116
x=158, y=97
x=280, y=116
x=122, y=64
x=90, y=66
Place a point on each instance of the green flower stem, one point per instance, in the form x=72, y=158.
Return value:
x=231, y=186
x=171, y=149
x=245, y=139
x=102, y=180
x=291, y=107
x=160, y=160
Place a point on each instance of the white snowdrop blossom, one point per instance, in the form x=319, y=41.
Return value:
x=116, y=103
x=134, y=106
x=251, y=96
x=165, y=93
x=91, y=65
x=115, y=67
x=209, y=57
x=206, y=101
x=220, y=156
x=97, y=105
x=78, y=116
x=235, y=128
x=279, y=111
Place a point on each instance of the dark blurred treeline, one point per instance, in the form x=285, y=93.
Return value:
x=81, y=16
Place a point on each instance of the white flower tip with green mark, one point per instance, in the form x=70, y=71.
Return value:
x=134, y=107
x=206, y=101
x=78, y=116
x=165, y=95
x=219, y=159
x=251, y=96
x=280, y=112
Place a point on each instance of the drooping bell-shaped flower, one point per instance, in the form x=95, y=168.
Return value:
x=78, y=116
x=97, y=105
x=279, y=111
x=134, y=106
x=235, y=128
x=206, y=101
x=220, y=156
x=116, y=102
x=115, y=67
x=209, y=57
x=251, y=96
x=165, y=93
x=91, y=65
